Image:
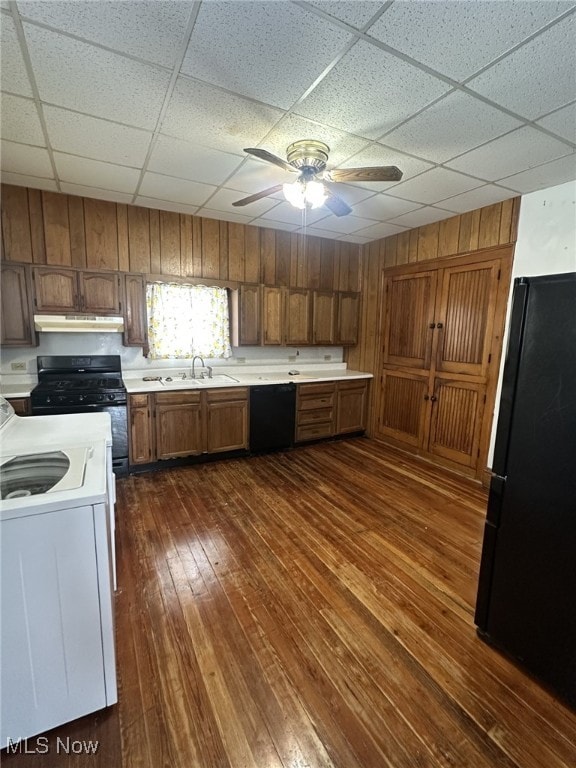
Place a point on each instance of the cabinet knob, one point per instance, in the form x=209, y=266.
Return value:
x=432, y=325
x=433, y=398
x=426, y=397
x=439, y=325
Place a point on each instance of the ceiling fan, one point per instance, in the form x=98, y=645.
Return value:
x=308, y=158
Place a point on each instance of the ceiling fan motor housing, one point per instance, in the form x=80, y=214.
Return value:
x=308, y=154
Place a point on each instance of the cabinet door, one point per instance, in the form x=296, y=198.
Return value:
x=348, y=318
x=351, y=401
x=409, y=316
x=249, y=315
x=324, y=317
x=272, y=316
x=464, y=317
x=21, y=405
x=99, y=292
x=456, y=420
x=56, y=290
x=17, y=330
x=135, y=329
x=297, y=322
x=178, y=424
x=141, y=439
x=227, y=420
x=404, y=407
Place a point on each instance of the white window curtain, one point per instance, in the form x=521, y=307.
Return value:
x=187, y=320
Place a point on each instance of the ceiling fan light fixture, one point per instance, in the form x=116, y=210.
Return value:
x=302, y=194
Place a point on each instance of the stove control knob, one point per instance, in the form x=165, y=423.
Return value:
x=48, y=399
x=111, y=397
x=80, y=398
x=100, y=398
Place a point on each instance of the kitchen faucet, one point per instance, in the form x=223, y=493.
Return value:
x=196, y=357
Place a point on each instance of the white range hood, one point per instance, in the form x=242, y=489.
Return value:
x=78, y=324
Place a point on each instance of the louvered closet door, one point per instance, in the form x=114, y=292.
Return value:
x=464, y=318
x=409, y=314
x=456, y=420
x=403, y=408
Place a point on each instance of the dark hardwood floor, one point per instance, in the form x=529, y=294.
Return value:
x=310, y=609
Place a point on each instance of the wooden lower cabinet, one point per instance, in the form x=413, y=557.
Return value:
x=331, y=408
x=167, y=425
x=21, y=405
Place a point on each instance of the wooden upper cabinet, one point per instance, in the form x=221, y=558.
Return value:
x=348, y=318
x=464, y=317
x=56, y=290
x=324, y=307
x=272, y=316
x=135, y=316
x=248, y=317
x=409, y=316
x=17, y=327
x=67, y=290
x=297, y=317
x=99, y=292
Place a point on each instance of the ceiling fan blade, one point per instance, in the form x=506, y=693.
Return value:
x=337, y=205
x=270, y=158
x=259, y=195
x=377, y=173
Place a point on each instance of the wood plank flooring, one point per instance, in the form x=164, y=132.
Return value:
x=310, y=609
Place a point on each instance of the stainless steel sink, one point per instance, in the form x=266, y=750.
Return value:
x=216, y=380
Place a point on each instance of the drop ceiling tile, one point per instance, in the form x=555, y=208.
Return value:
x=538, y=77
x=357, y=13
x=187, y=160
x=455, y=124
x=380, y=154
x=99, y=194
x=272, y=52
x=510, y=154
x=19, y=180
x=286, y=212
x=14, y=75
x=270, y=224
x=88, y=79
x=255, y=175
x=20, y=121
x=222, y=201
x=94, y=138
x=434, y=185
x=318, y=232
x=422, y=216
x=459, y=38
x=476, y=198
x=166, y=205
x=292, y=128
x=346, y=225
x=356, y=238
x=149, y=30
x=175, y=190
x=376, y=231
x=21, y=158
x=93, y=173
x=369, y=92
x=562, y=122
x=547, y=175
x=210, y=213
x=383, y=206
x=351, y=193
x=202, y=113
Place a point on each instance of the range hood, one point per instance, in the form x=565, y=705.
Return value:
x=78, y=324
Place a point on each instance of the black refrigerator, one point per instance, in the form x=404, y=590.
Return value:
x=526, y=602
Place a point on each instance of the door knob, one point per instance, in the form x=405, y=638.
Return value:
x=433, y=398
x=439, y=325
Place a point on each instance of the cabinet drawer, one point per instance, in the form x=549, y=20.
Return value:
x=354, y=384
x=177, y=398
x=313, y=431
x=229, y=393
x=308, y=403
x=323, y=388
x=311, y=417
x=138, y=401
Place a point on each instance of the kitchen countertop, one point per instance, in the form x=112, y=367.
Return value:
x=134, y=385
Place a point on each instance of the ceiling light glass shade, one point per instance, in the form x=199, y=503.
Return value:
x=305, y=193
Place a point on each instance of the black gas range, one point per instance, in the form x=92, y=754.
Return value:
x=85, y=384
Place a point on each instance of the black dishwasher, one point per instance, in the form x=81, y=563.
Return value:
x=272, y=417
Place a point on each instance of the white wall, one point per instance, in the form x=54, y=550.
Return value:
x=546, y=245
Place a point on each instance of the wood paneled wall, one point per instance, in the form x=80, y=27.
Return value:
x=451, y=238
x=50, y=228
